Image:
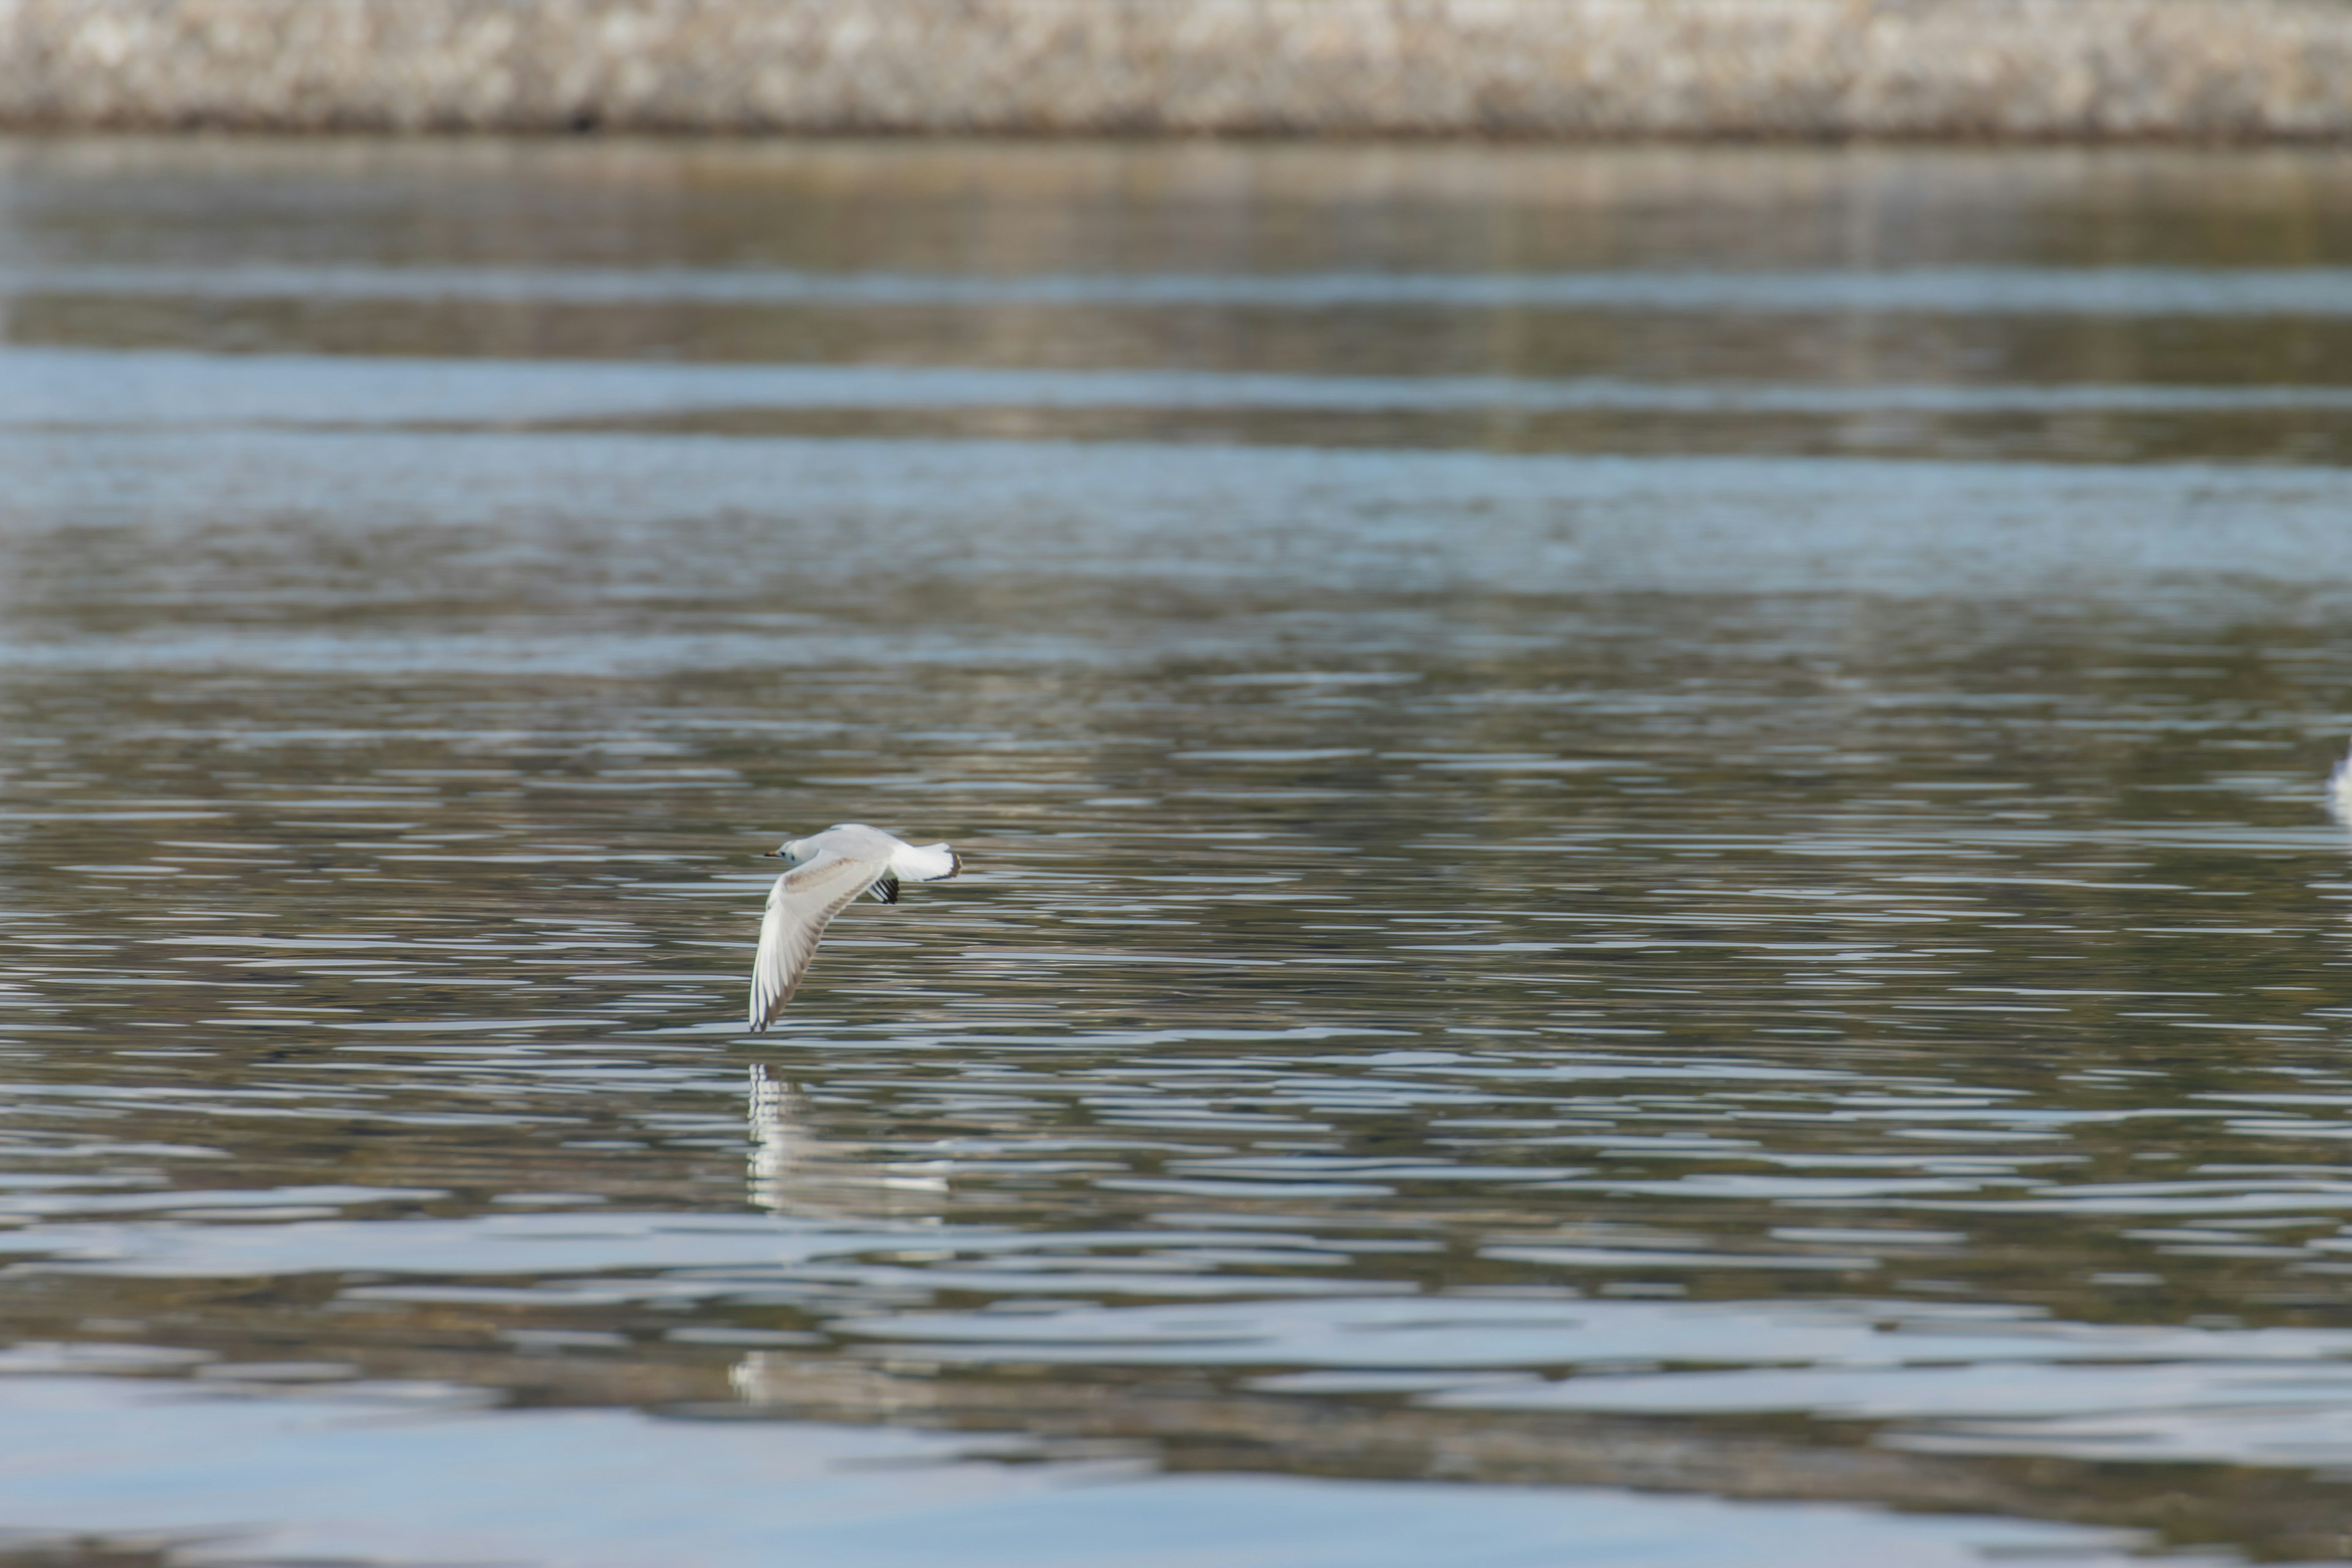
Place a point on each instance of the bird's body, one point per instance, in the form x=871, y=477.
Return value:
x=827, y=872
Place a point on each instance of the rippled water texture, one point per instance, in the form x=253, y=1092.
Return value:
x=1645, y=877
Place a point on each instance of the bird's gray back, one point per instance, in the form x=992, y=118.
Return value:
x=853, y=841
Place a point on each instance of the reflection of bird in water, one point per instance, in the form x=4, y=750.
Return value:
x=792, y=1168
x=795, y=1171
x=825, y=873
x=2339, y=791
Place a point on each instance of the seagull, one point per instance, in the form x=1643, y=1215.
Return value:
x=824, y=873
x=2339, y=791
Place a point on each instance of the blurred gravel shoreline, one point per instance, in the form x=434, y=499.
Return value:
x=1991, y=69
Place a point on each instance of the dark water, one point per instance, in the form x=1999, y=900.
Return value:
x=1646, y=876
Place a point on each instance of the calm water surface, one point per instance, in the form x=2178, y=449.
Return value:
x=1645, y=874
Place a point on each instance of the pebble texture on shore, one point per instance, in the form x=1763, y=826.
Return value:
x=2010, y=69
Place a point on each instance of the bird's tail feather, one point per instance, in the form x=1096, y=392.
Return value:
x=927, y=863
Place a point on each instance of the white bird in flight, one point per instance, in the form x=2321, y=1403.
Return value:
x=825, y=873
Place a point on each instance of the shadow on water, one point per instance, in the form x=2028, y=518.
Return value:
x=1692, y=927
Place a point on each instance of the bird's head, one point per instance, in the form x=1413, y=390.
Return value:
x=788, y=852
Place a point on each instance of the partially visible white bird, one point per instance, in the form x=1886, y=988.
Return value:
x=2339, y=791
x=827, y=872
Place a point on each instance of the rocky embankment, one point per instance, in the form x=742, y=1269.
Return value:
x=2006, y=70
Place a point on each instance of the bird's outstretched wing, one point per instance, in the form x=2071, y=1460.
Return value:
x=800, y=906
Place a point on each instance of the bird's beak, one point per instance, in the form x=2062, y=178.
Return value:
x=770, y=855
